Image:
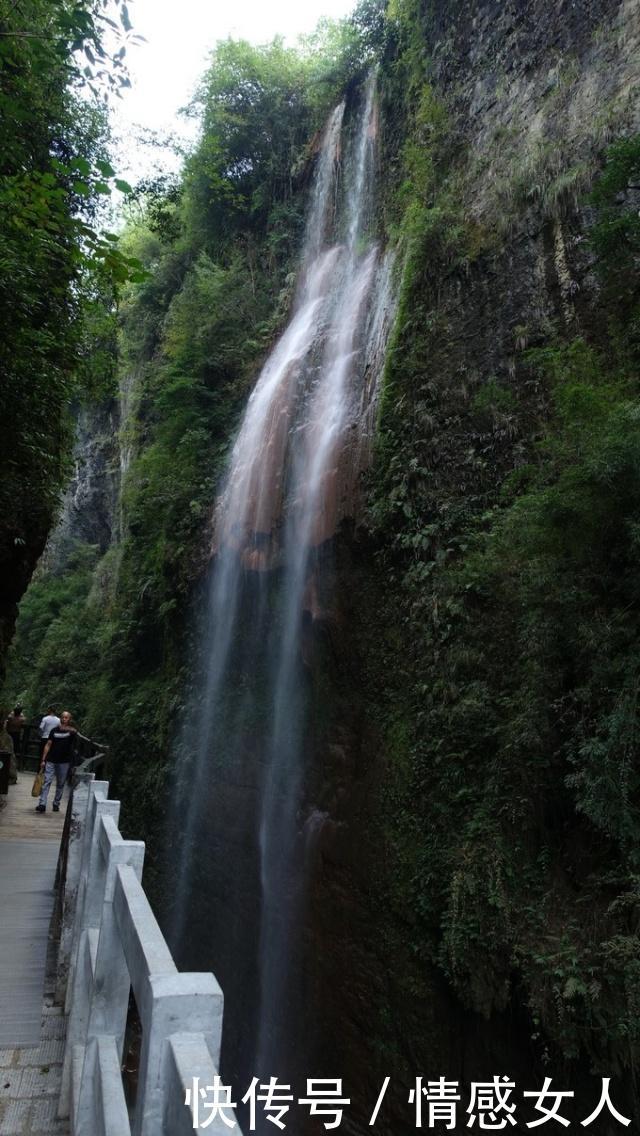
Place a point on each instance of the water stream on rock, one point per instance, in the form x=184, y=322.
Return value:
x=241, y=819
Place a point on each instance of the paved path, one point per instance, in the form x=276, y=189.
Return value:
x=30, y=1079
x=31, y=1027
x=19, y=819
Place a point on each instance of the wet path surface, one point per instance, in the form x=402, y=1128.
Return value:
x=31, y=1027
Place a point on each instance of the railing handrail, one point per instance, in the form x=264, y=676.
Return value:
x=90, y=763
x=91, y=741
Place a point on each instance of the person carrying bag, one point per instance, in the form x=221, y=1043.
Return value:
x=57, y=757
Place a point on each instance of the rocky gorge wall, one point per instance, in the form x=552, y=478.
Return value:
x=511, y=110
x=451, y=860
x=88, y=513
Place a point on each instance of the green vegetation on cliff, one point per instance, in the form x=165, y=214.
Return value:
x=57, y=269
x=219, y=246
x=506, y=510
x=501, y=670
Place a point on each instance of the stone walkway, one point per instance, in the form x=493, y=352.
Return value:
x=30, y=1079
x=31, y=1027
x=19, y=819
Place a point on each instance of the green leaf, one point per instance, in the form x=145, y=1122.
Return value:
x=106, y=169
x=123, y=186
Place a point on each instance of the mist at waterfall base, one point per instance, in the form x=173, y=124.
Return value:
x=243, y=819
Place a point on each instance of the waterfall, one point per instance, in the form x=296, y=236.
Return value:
x=251, y=505
x=128, y=395
x=238, y=827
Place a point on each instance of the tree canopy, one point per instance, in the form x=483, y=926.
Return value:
x=55, y=74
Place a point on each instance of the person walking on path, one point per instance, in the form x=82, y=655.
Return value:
x=56, y=759
x=6, y=748
x=50, y=722
x=15, y=725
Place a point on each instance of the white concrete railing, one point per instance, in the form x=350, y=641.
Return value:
x=110, y=944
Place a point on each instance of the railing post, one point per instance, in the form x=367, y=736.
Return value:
x=187, y=1058
x=112, y=983
x=97, y=806
x=102, y=1097
x=78, y=805
x=107, y=1011
x=92, y=895
x=174, y=1003
x=88, y=916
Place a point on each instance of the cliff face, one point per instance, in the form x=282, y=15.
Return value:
x=85, y=517
x=561, y=71
x=521, y=102
x=89, y=507
x=528, y=101
x=471, y=905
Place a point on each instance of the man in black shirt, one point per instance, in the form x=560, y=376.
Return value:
x=56, y=759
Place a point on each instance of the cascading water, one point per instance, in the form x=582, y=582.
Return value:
x=310, y=521
x=239, y=800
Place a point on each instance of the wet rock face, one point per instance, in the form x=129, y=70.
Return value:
x=87, y=515
x=372, y=1008
x=516, y=78
x=487, y=50
x=89, y=505
x=535, y=89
